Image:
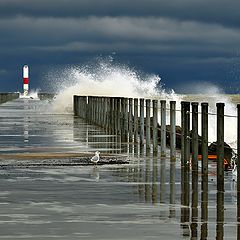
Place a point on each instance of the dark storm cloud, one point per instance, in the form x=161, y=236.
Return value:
x=214, y=11
x=116, y=33
x=172, y=38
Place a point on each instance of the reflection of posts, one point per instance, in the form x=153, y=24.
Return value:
x=154, y=181
x=185, y=159
x=162, y=180
x=194, y=224
x=220, y=215
x=204, y=202
x=147, y=180
x=172, y=157
x=26, y=130
x=220, y=170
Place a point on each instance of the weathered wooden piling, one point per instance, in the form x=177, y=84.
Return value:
x=148, y=127
x=194, y=168
x=172, y=150
x=186, y=151
x=204, y=202
x=238, y=171
x=136, y=122
x=163, y=128
x=118, y=116
x=173, y=130
x=130, y=119
x=220, y=169
x=125, y=119
x=141, y=121
x=220, y=146
x=155, y=126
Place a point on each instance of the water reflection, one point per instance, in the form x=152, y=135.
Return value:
x=95, y=173
x=146, y=196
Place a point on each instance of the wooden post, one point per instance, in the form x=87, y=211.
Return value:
x=204, y=202
x=185, y=161
x=130, y=119
x=155, y=126
x=118, y=110
x=141, y=122
x=183, y=113
x=172, y=150
x=204, y=139
x=195, y=142
x=220, y=170
x=173, y=130
x=238, y=170
x=111, y=115
x=220, y=146
x=125, y=119
x=163, y=128
x=186, y=151
x=148, y=128
x=135, y=120
x=75, y=105
x=115, y=116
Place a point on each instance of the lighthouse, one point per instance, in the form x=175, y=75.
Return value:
x=25, y=80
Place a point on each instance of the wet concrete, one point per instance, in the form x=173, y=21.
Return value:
x=127, y=201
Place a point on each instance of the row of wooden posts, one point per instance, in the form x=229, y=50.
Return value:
x=136, y=120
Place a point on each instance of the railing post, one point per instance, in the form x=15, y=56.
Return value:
x=220, y=170
x=173, y=130
x=172, y=150
x=187, y=150
x=220, y=146
x=148, y=127
x=238, y=170
x=141, y=122
x=155, y=126
x=118, y=111
x=130, y=119
x=163, y=128
x=75, y=105
x=195, y=142
x=204, y=202
x=136, y=120
x=185, y=159
x=124, y=120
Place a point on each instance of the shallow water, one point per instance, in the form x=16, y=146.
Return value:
x=133, y=201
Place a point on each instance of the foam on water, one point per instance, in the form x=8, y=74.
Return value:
x=106, y=78
x=33, y=94
x=103, y=79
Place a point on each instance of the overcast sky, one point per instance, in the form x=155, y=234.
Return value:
x=186, y=42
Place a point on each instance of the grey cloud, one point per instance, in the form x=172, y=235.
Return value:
x=150, y=34
x=215, y=11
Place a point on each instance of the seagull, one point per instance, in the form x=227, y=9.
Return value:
x=95, y=158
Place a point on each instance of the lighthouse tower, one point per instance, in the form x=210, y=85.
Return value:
x=25, y=80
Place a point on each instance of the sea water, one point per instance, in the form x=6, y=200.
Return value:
x=130, y=201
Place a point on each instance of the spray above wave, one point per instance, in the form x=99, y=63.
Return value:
x=108, y=79
x=102, y=79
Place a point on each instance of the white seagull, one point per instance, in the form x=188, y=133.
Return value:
x=95, y=158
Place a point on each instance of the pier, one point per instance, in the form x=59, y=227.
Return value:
x=136, y=122
x=44, y=168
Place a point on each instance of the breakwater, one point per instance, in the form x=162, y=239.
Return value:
x=144, y=122
x=5, y=97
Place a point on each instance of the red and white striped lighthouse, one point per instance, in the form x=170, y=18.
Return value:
x=25, y=80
